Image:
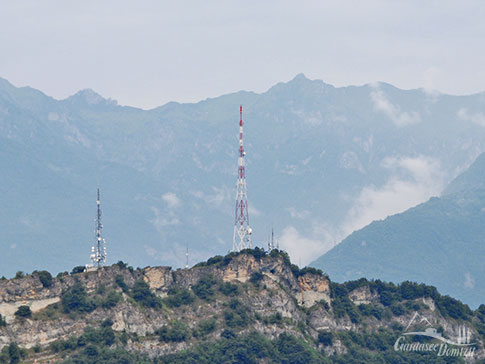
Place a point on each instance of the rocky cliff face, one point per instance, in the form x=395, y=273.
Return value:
x=244, y=292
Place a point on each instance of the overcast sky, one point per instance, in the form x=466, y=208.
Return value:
x=146, y=53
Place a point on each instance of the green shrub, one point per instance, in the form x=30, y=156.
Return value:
x=296, y=351
x=371, y=310
x=3, y=323
x=257, y=252
x=64, y=345
x=107, y=323
x=214, y=260
x=177, y=332
x=481, y=309
x=78, y=269
x=121, y=264
x=108, y=335
x=76, y=299
x=45, y=278
x=256, y=278
x=23, y=311
x=204, y=287
x=295, y=269
x=179, y=296
x=274, y=319
x=325, y=304
x=91, y=351
x=397, y=309
x=60, y=275
x=19, y=275
x=111, y=300
x=344, y=306
x=228, y=258
x=205, y=327
x=120, y=281
x=141, y=293
x=449, y=306
x=411, y=290
x=14, y=353
x=338, y=290
x=237, y=315
x=100, y=289
x=228, y=334
x=325, y=338
x=229, y=289
x=103, y=335
x=387, y=298
x=310, y=270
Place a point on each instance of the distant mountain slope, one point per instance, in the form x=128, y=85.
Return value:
x=440, y=242
x=473, y=178
x=320, y=161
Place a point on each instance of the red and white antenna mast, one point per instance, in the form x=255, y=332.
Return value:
x=242, y=231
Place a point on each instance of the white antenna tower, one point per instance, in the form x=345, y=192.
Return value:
x=98, y=250
x=271, y=244
x=242, y=231
x=187, y=258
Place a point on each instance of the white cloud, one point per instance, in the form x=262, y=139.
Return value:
x=171, y=199
x=469, y=281
x=253, y=211
x=413, y=181
x=382, y=104
x=163, y=219
x=219, y=196
x=477, y=118
x=302, y=250
x=350, y=160
x=295, y=214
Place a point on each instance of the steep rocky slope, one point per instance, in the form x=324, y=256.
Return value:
x=156, y=312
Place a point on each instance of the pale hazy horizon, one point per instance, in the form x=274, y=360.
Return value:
x=148, y=53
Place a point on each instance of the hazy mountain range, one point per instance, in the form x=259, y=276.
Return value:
x=322, y=162
x=440, y=242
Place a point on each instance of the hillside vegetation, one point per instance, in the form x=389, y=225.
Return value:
x=248, y=307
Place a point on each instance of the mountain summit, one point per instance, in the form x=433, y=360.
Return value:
x=89, y=97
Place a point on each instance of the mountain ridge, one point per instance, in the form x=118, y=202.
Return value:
x=329, y=149
x=298, y=79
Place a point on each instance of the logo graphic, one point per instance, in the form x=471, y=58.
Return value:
x=429, y=339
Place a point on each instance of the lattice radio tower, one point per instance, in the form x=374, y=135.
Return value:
x=98, y=250
x=242, y=231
